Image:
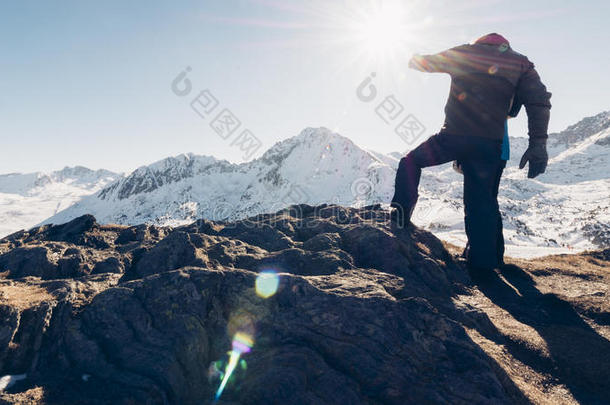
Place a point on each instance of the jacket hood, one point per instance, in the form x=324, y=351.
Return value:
x=493, y=39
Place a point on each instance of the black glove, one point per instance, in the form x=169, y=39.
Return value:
x=537, y=156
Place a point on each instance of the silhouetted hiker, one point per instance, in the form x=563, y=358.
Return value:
x=485, y=78
x=504, y=157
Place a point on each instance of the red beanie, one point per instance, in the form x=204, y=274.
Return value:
x=492, y=39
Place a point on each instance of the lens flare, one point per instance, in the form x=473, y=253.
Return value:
x=242, y=343
x=267, y=283
x=233, y=359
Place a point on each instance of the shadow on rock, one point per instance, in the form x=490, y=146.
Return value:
x=579, y=356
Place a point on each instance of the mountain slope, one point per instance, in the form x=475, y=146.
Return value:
x=27, y=199
x=563, y=210
x=314, y=167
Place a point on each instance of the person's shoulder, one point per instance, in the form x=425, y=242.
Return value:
x=516, y=54
x=458, y=51
x=520, y=57
x=463, y=47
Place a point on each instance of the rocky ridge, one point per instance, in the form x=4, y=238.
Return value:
x=365, y=314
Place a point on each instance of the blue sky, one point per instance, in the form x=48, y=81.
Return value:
x=89, y=83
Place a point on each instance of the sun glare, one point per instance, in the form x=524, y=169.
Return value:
x=382, y=29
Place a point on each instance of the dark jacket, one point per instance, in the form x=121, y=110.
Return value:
x=485, y=77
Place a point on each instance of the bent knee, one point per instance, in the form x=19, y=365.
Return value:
x=408, y=160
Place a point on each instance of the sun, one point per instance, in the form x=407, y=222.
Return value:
x=382, y=28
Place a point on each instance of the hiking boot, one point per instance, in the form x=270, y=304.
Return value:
x=400, y=216
x=397, y=217
x=480, y=275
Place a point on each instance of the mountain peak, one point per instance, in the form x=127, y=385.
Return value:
x=582, y=129
x=26, y=183
x=320, y=136
x=308, y=131
x=165, y=171
x=303, y=168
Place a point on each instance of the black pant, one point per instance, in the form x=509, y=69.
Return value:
x=500, y=237
x=481, y=163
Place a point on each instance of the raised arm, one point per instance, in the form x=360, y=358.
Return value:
x=428, y=63
x=442, y=62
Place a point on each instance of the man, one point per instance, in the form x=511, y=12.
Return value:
x=485, y=78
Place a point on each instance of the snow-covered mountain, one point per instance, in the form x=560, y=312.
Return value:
x=27, y=199
x=565, y=209
x=314, y=167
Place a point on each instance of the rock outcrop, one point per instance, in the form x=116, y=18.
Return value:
x=364, y=314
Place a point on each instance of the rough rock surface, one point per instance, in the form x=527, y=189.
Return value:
x=364, y=314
